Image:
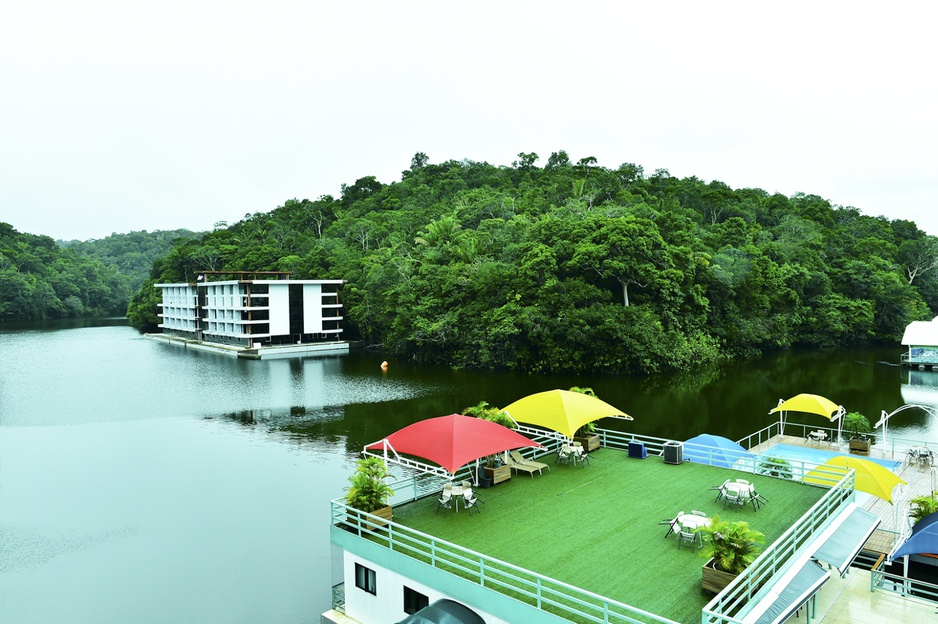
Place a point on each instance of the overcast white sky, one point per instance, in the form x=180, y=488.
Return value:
x=120, y=116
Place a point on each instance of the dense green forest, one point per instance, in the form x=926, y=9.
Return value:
x=576, y=267
x=39, y=280
x=132, y=254
x=42, y=279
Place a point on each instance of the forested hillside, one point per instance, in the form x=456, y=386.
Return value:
x=132, y=254
x=39, y=280
x=577, y=267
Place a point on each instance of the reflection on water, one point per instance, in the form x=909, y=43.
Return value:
x=920, y=388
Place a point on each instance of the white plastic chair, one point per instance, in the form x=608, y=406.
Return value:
x=444, y=501
x=565, y=454
x=689, y=537
x=731, y=497
x=470, y=502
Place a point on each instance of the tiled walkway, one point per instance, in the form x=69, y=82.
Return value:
x=850, y=601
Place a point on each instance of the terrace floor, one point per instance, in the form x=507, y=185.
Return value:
x=596, y=527
x=920, y=481
x=850, y=599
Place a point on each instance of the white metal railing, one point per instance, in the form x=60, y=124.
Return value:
x=558, y=597
x=534, y=589
x=903, y=586
x=758, y=576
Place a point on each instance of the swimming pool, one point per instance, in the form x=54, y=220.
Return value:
x=813, y=457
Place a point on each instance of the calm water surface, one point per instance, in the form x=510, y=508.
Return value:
x=141, y=482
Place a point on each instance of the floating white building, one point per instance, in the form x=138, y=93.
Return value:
x=254, y=314
x=921, y=338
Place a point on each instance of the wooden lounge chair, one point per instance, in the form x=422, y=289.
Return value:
x=517, y=461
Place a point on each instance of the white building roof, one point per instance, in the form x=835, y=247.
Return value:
x=921, y=333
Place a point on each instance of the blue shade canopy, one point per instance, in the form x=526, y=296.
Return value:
x=924, y=538
x=714, y=450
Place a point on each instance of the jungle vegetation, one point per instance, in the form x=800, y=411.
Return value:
x=42, y=279
x=576, y=267
x=133, y=253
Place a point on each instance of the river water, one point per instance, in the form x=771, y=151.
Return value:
x=142, y=482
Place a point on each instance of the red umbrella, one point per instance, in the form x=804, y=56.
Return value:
x=453, y=441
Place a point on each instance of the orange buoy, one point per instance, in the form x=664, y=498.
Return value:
x=384, y=365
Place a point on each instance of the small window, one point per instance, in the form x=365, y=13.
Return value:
x=365, y=579
x=414, y=601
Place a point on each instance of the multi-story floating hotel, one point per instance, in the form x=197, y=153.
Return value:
x=258, y=314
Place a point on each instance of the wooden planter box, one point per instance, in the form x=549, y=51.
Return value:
x=590, y=442
x=714, y=580
x=497, y=475
x=860, y=447
x=385, y=513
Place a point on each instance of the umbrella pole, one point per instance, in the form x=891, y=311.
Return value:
x=885, y=418
x=840, y=423
x=905, y=574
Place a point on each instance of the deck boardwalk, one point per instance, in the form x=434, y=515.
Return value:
x=920, y=481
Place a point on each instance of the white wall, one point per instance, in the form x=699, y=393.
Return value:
x=312, y=308
x=279, y=297
x=388, y=604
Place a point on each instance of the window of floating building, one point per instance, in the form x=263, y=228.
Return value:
x=365, y=579
x=414, y=601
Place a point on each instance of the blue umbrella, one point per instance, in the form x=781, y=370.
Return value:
x=714, y=450
x=924, y=538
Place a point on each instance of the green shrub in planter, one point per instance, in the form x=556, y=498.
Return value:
x=732, y=545
x=369, y=490
x=775, y=467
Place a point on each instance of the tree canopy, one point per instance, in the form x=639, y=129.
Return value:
x=40, y=281
x=576, y=267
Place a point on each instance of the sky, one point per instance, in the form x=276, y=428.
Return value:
x=117, y=116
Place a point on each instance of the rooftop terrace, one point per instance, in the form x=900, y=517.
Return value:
x=596, y=526
x=584, y=541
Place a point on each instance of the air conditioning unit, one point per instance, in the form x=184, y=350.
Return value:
x=673, y=452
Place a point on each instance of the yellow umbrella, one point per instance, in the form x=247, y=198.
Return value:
x=562, y=410
x=870, y=476
x=811, y=404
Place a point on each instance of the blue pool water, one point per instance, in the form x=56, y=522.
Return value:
x=813, y=457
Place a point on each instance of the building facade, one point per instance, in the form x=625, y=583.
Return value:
x=252, y=310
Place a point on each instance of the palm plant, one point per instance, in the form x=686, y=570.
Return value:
x=369, y=489
x=732, y=545
x=487, y=412
x=922, y=506
x=857, y=424
x=778, y=467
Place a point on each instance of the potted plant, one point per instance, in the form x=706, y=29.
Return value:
x=922, y=506
x=859, y=427
x=496, y=470
x=586, y=435
x=729, y=547
x=778, y=467
x=369, y=491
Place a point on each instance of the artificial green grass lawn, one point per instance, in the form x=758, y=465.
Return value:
x=596, y=527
